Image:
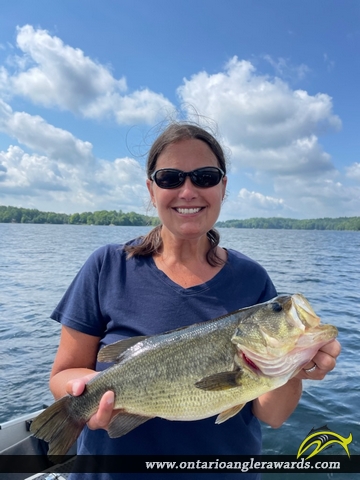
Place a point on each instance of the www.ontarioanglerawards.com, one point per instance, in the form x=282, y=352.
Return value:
x=245, y=466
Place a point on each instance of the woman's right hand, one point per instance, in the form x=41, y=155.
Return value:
x=102, y=417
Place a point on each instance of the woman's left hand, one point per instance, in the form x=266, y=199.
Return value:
x=322, y=363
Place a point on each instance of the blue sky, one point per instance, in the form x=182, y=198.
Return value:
x=86, y=85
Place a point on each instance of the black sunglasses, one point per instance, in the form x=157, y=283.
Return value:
x=205, y=177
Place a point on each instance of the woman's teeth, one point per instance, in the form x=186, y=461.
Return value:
x=187, y=211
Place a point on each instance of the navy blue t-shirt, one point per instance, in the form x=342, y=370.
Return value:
x=113, y=298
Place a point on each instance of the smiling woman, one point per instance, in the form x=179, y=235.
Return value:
x=175, y=276
x=185, y=146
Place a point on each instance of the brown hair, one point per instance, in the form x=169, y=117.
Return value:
x=152, y=242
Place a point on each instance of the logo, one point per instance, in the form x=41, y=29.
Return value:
x=323, y=438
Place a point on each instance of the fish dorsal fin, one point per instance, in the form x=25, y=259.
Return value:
x=226, y=414
x=221, y=381
x=123, y=422
x=114, y=352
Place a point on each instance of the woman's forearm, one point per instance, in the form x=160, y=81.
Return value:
x=276, y=406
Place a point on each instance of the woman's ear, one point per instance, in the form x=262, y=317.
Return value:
x=224, y=183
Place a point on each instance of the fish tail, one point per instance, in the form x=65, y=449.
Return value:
x=58, y=426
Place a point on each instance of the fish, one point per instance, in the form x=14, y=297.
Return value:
x=194, y=372
x=323, y=438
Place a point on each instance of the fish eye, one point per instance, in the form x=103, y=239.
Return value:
x=276, y=307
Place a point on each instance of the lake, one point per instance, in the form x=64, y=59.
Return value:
x=38, y=262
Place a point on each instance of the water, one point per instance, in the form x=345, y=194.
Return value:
x=37, y=263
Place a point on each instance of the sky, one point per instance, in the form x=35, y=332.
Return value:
x=87, y=85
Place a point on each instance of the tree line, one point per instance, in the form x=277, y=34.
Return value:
x=113, y=217
x=342, y=223
x=101, y=217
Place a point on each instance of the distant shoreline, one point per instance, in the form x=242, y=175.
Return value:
x=273, y=223
x=119, y=218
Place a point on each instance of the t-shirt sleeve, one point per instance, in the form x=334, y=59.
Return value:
x=248, y=281
x=269, y=290
x=80, y=306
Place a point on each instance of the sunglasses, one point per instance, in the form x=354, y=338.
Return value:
x=205, y=177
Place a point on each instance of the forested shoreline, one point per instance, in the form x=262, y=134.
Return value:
x=104, y=217
x=101, y=217
x=341, y=223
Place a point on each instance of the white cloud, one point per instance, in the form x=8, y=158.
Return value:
x=259, y=200
x=106, y=185
x=353, y=171
x=330, y=64
x=142, y=106
x=25, y=174
x=62, y=169
x=52, y=74
x=302, y=157
x=259, y=115
x=247, y=204
x=295, y=198
x=36, y=133
x=122, y=182
x=285, y=69
x=60, y=75
x=319, y=197
x=4, y=79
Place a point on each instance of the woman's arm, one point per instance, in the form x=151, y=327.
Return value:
x=75, y=358
x=73, y=367
x=276, y=406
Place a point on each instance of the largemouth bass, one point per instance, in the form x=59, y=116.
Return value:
x=206, y=369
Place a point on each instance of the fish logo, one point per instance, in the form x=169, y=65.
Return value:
x=323, y=438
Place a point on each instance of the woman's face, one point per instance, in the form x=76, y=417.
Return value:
x=187, y=211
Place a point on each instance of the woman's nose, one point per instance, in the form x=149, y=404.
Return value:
x=188, y=189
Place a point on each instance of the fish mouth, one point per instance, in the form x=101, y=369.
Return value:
x=287, y=363
x=285, y=341
x=302, y=313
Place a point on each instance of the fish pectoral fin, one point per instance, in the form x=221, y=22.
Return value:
x=220, y=381
x=123, y=422
x=226, y=414
x=114, y=352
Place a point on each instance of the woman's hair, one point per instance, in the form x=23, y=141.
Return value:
x=152, y=242
x=176, y=132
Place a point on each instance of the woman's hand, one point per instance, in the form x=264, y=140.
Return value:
x=105, y=412
x=322, y=363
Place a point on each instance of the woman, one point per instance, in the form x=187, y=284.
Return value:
x=175, y=276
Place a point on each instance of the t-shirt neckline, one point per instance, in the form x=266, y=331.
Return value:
x=190, y=290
